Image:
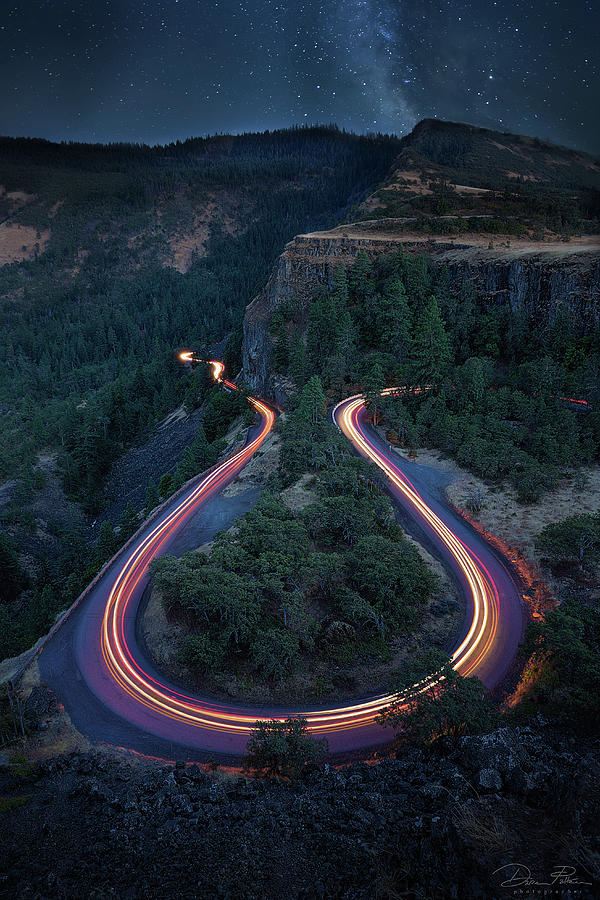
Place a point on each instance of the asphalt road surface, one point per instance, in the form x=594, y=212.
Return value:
x=97, y=665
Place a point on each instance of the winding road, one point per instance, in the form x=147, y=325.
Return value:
x=94, y=658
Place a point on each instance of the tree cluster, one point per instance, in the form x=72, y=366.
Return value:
x=484, y=385
x=263, y=601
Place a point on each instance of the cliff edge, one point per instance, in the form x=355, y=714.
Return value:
x=537, y=277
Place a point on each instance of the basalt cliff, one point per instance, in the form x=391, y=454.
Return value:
x=538, y=277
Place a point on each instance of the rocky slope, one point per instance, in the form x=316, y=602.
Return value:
x=424, y=824
x=538, y=277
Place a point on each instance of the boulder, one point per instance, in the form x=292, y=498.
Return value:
x=489, y=780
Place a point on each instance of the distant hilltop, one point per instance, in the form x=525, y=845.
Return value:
x=446, y=168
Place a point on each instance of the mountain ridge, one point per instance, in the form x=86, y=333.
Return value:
x=454, y=168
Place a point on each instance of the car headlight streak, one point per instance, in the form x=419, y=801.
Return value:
x=168, y=702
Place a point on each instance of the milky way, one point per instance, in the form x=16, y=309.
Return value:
x=156, y=71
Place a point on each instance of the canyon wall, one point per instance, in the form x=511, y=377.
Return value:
x=536, y=277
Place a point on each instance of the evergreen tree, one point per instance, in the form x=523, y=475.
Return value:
x=373, y=387
x=71, y=589
x=339, y=362
x=417, y=278
x=152, y=497
x=107, y=542
x=477, y=379
x=458, y=309
x=395, y=324
x=311, y=405
x=431, y=352
x=12, y=577
x=297, y=368
x=212, y=421
x=42, y=608
x=129, y=522
x=339, y=294
x=165, y=485
x=187, y=466
x=204, y=453
x=360, y=279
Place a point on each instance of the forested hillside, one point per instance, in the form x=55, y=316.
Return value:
x=491, y=388
x=116, y=255
x=458, y=178
x=111, y=259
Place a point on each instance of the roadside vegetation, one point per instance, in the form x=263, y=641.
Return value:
x=335, y=581
x=29, y=604
x=489, y=387
x=450, y=705
x=560, y=654
x=284, y=749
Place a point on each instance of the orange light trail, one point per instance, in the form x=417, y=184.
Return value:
x=172, y=704
x=473, y=649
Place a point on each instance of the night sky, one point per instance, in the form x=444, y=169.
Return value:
x=137, y=70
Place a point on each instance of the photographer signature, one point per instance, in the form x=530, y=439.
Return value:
x=520, y=875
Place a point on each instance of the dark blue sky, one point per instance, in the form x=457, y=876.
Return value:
x=139, y=70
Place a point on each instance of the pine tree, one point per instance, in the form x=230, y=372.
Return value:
x=360, y=279
x=128, y=522
x=12, y=576
x=431, y=352
x=152, y=497
x=374, y=384
x=71, y=589
x=204, y=456
x=395, y=323
x=311, y=405
x=297, y=359
x=339, y=294
x=477, y=379
x=458, y=310
x=337, y=366
x=42, y=608
x=107, y=542
x=417, y=279
x=165, y=485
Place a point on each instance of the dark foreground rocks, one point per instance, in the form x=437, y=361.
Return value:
x=428, y=824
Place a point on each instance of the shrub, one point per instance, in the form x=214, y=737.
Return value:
x=283, y=749
x=455, y=707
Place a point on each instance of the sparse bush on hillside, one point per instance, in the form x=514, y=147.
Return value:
x=575, y=540
x=451, y=705
x=284, y=749
x=566, y=649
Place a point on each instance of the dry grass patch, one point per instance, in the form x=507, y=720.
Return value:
x=19, y=242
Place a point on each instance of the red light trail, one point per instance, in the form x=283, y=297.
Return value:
x=207, y=724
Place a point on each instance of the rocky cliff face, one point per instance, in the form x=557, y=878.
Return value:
x=540, y=278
